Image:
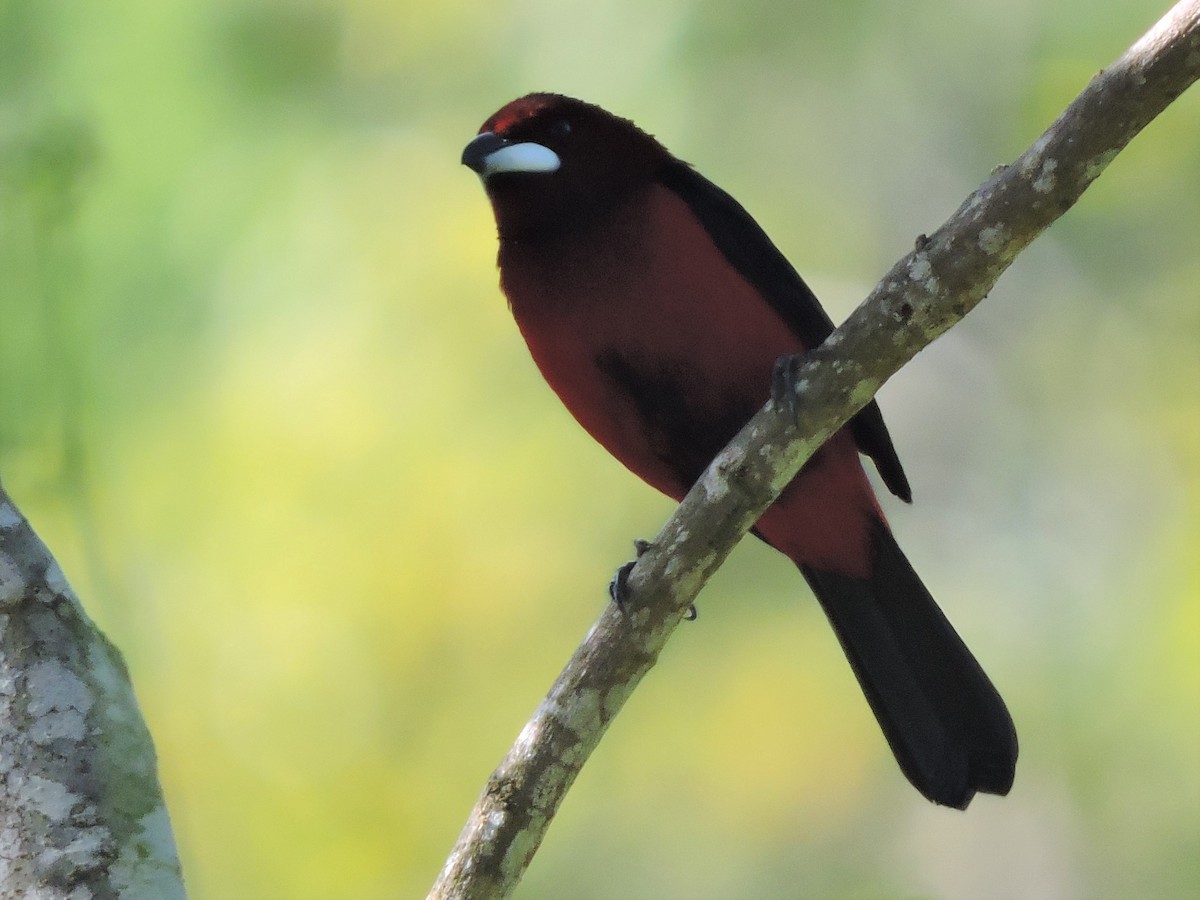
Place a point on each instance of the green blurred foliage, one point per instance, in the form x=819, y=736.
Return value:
x=261, y=395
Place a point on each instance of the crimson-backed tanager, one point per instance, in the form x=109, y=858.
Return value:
x=656, y=308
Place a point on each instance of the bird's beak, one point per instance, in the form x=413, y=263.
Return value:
x=476, y=153
x=489, y=154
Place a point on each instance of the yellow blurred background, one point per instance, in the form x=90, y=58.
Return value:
x=260, y=394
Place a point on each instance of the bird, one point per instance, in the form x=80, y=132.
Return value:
x=656, y=308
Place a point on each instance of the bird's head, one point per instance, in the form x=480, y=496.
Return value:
x=551, y=164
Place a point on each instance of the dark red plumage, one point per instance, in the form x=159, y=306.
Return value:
x=656, y=308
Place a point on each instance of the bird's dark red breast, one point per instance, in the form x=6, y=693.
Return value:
x=656, y=307
x=662, y=351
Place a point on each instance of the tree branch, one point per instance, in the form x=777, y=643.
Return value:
x=81, y=810
x=922, y=296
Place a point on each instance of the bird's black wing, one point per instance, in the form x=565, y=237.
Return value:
x=748, y=249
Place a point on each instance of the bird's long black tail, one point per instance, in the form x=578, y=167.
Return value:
x=945, y=722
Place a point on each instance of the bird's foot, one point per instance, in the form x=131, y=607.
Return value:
x=785, y=381
x=618, y=588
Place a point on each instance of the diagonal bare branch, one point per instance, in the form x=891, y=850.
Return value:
x=923, y=295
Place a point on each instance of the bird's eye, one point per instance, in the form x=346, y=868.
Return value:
x=561, y=128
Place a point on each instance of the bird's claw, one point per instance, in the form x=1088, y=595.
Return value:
x=618, y=588
x=784, y=382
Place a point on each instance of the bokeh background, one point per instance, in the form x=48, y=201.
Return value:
x=260, y=394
